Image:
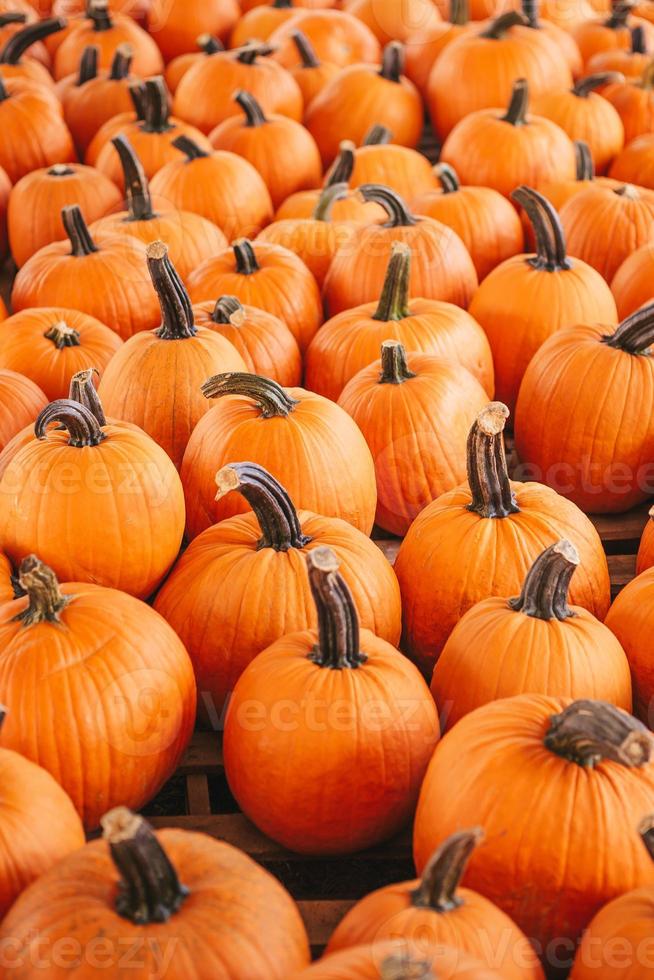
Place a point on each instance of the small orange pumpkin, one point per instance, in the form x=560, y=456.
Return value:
x=5, y=191
x=608, y=34
x=20, y=402
x=176, y=24
x=260, y=22
x=94, y=96
x=335, y=35
x=13, y=64
x=34, y=132
x=395, y=20
x=632, y=283
x=630, y=619
x=311, y=74
x=107, y=31
x=631, y=63
x=178, y=67
x=424, y=46
x=393, y=959
x=380, y=161
x=633, y=100
x=635, y=165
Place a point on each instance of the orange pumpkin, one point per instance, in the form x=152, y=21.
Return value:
x=350, y=341
x=205, y=95
x=336, y=664
x=82, y=637
x=20, y=402
x=631, y=63
x=154, y=381
x=441, y=269
x=484, y=220
x=264, y=341
x=260, y=22
x=597, y=450
x=147, y=892
x=34, y=132
x=13, y=64
x=629, y=619
x=36, y=202
x=557, y=292
x=608, y=34
x=178, y=67
x=424, y=46
x=503, y=151
x=587, y=759
x=645, y=557
x=6, y=580
x=96, y=96
x=633, y=100
x=104, y=278
x=279, y=148
x=311, y=74
x=398, y=960
x=140, y=506
x=481, y=539
x=266, y=275
x=559, y=34
x=51, y=344
x=362, y=95
x=435, y=911
x=107, y=31
x=635, y=164
x=395, y=20
x=176, y=24
x=403, y=169
x=137, y=9
x=254, y=556
x=335, y=36
x=399, y=404
x=5, y=191
x=632, y=284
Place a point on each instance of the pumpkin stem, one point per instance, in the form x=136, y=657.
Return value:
x=545, y=590
x=638, y=40
x=149, y=889
x=305, y=50
x=443, y=873
x=12, y=17
x=62, y=335
x=338, y=623
x=78, y=231
x=395, y=369
x=137, y=188
x=249, y=53
x=396, y=209
x=272, y=506
x=228, y=309
x=137, y=95
x=82, y=426
x=635, y=335
x=122, y=63
x=530, y=10
x=402, y=966
x=246, y=259
x=516, y=114
x=447, y=177
x=209, y=44
x=156, y=106
x=499, y=27
x=98, y=12
x=619, y=14
x=83, y=390
x=4, y=94
x=550, y=255
x=189, y=148
x=392, y=63
x=394, y=300
x=584, y=86
x=61, y=170
x=18, y=43
x=488, y=475
x=254, y=114
x=342, y=167
x=178, y=322
x=459, y=12
x=270, y=397
x=377, y=135
x=89, y=64
x=646, y=831
x=39, y=583
x=328, y=198
x=584, y=161
x=587, y=732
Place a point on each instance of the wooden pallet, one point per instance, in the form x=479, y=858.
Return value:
x=326, y=888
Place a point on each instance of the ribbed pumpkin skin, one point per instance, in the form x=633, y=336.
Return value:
x=350, y=208
x=452, y=558
x=631, y=284
x=39, y=825
x=645, y=557
x=395, y=21
x=340, y=812
x=546, y=819
x=234, y=904
x=140, y=509
x=399, y=167
x=597, y=451
x=25, y=348
x=5, y=191
x=635, y=106
x=6, y=587
x=112, y=652
x=314, y=241
x=335, y=36
x=635, y=165
x=494, y=652
x=88, y=107
x=216, y=599
x=35, y=132
x=147, y=58
x=20, y=402
x=624, y=924
x=590, y=118
x=364, y=963
x=317, y=452
x=630, y=619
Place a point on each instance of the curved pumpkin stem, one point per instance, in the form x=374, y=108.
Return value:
x=19, y=43
x=12, y=17
x=328, y=198
x=254, y=114
x=588, y=732
x=634, y=335
x=246, y=258
x=178, y=322
x=488, y=475
x=586, y=85
x=342, y=167
x=271, y=398
x=62, y=335
x=503, y=24
x=78, y=231
x=459, y=12
x=83, y=390
x=137, y=188
x=338, y=623
x=620, y=12
x=545, y=591
x=209, y=44
x=646, y=831
x=377, y=135
x=394, y=300
x=392, y=63
x=98, y=12
x=516, y=114
x=447, y=177
x=89, y=64
x=272, y=506
x=122, y=63
x=585, y=168
x=404, y=966
x=39, y=583
x=156, y=106
x=305, y=49
x=228, y=309
x=551, y=254
x=249, y=53
x=149, y=888
x=396, y=209
x=395, y=370
x=638, y=45
x=189, y=148
x=443, y=873
x=82, y=426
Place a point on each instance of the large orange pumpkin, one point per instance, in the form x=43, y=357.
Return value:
x=96, y=96
x=20, y=402
x=34, y=132
x=298, y=436
x=144, y=893
x=630, y=619
x=337, y=664
x=517, y=766
x=481, y=539
x=208, y=599
x=645, y=556
x=176, y=24
x=107, y=31
x=111, y=477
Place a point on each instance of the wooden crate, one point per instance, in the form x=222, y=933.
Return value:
x=326, y=888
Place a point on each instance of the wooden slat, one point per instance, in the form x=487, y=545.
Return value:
x=197, y=795
x=204, y=755
x=622, y=527
x=622, y=568
x=321, y=918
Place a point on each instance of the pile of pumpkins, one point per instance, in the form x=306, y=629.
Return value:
x=247, y=322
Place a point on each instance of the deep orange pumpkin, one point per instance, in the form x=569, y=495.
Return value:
x=176, y=69
x=335, y=35
x=94, y=96
x=14, y=54
x=630, y=620
x=176, y=24
x=395, y=959
x=34, y=132
x=633, y=100
x=5, y=191
x=107, y=31
x=260, y=22
x=631, y=63
x=20, y=402
x=632, y=283
x=635, y=165
x=311, y=74
x=610, y=33
x=645, y=557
